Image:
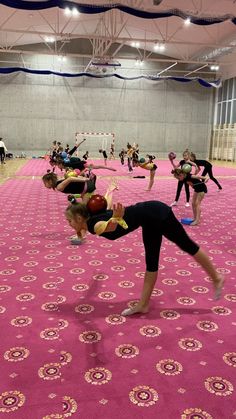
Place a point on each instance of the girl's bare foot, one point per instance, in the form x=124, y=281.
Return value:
x=113, y=186
x=218, y=285
x=194, y=223
x=134, y=310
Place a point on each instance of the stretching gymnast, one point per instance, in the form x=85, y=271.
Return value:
x=76, y=163
x=207, y=168
x=186, y=159
x=85, y=186
x=147, y=165
x=200, y=189
x=156, y=220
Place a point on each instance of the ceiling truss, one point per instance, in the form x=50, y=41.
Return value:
x=111, y=36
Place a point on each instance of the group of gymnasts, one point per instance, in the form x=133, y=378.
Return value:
x=156, y=219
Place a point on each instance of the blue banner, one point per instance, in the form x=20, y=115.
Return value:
x=205, y=83
x=96, y=9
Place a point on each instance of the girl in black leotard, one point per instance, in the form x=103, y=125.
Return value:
x=207, y=168
x=71, y=185
x=156, y=220
x=147, y=165
x=104, y=153
x=186, y=159
x=199, y=186
x=76, y=163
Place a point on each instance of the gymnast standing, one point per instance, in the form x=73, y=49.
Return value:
x=207, y=168
x=200, y=189
x=185, y=160
x=152, y=167
x=156, y=220
x=104, y=153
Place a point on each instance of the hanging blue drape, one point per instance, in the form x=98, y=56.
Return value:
x=95, y=9
x=205, y=83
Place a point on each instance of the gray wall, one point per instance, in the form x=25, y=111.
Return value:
x=159, y=116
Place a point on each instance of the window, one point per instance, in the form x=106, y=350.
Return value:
x=228, y=113
x=230, y=90
x=220, y=94
x=234, y=112
x=223, y=115
x=225, y=89
x=218, y=114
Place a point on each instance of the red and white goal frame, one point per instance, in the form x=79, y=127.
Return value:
x=93, y=146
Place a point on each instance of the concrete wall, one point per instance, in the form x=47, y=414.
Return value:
x=159, y=116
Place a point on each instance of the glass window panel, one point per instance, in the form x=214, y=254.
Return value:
x=234, y=93
x=225, y=87
x=220, y=94
x=230, y=89
x=234, y=112
x=228, y=112
x=218, y=113
x=223, y=115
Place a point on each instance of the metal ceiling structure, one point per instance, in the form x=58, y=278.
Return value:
x=105, y=39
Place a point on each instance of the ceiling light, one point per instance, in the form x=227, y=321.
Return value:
x=49, y=39
x=67, y=11
x=159, y=46
x=214, y=67
x=61, y=58
x=75, y=12
x=156, y=47
x=187, y=21
x=135, y=44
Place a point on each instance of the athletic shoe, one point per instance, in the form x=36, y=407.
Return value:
x=173, y=204
x=187, y=204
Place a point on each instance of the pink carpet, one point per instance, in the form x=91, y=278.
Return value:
x=38, y=167
x=65, y=349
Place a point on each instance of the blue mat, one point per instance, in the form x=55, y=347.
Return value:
x=186, y=220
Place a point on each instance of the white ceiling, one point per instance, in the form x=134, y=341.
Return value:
x=109, y=35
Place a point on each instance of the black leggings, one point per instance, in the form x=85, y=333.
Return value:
x=90, y=186
x=173, y=230
x=179, y=188
x=2, y=154
x=208, y=171
x=70, y=152
x=129, y=164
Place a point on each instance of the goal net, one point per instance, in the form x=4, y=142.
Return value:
x=95, y=141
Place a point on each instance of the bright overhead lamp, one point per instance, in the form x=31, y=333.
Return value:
x=214, y=67
x=71, y=12
x=67, y=11
x=159, y=46
x=49, y=39
x=162, y=47
x=135, y=44
x=61, y=58
x=75, y=12
x=187, y=21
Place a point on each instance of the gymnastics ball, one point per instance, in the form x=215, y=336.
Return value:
x=97, y=203
x=187, y=168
